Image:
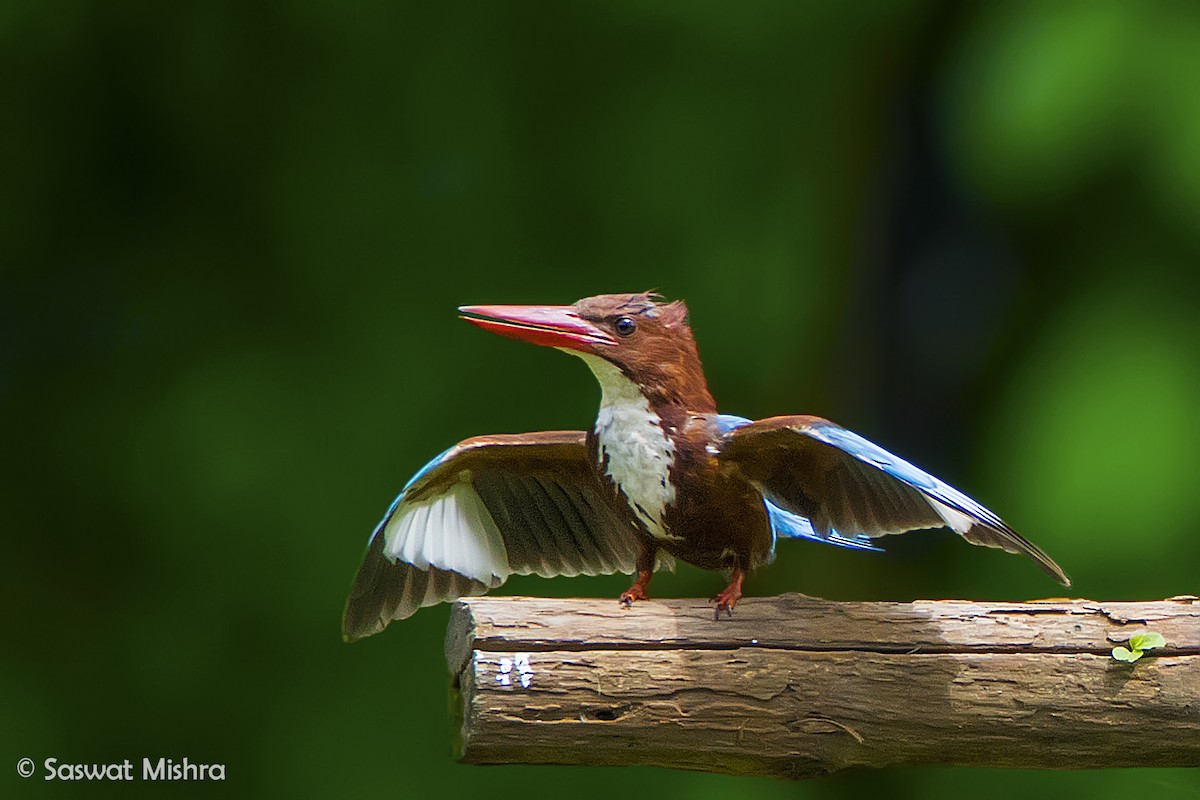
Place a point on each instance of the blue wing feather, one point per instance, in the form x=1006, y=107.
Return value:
x=785, y=524
x=871, y=453
x=421, y=473
x=727, y=422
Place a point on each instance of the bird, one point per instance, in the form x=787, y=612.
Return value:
x=662, y=475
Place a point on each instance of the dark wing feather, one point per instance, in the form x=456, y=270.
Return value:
x=487, y=508
x=385, y=590
x=843, y=482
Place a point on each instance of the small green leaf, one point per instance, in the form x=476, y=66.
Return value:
x=1147, y=641
x=1122, y=654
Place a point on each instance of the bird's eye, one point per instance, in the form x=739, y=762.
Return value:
x=625, y=326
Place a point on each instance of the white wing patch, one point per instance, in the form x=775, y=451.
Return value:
x=956, y=520
x=452, y=531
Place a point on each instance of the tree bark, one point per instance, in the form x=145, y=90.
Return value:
x=797, y=687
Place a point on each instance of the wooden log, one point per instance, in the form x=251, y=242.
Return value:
x=796, y=686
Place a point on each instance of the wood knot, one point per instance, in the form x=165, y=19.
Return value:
x=607, y=714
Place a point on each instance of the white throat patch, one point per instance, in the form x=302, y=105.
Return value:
x=639, y=451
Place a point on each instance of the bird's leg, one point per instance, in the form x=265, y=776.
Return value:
x=638, y=590
x=645, y=568
x=727, y=599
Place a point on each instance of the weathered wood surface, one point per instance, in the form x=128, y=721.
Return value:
x=797, y=686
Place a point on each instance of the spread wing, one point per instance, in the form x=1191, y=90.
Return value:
x=841, y=482
x=487, y=508
x=785, y=524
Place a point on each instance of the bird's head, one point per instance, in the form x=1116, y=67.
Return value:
x=620, y=336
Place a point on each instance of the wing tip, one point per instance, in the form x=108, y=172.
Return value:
x=1048, y=565
x=1005, y=538
x=1054, y=570
x=354, y=629
x=387, y=590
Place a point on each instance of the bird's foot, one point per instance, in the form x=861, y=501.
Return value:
x=727, y=599
x=637, y=591
x=631, y=594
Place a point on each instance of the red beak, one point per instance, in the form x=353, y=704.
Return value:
x=550, y=326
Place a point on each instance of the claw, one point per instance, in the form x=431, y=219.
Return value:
x=637, y=591
x=727, y=599
x=722, y=605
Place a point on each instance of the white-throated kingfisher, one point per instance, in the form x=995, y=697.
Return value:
x=660, y=476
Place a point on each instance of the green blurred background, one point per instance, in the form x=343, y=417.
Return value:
x=233, y=235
